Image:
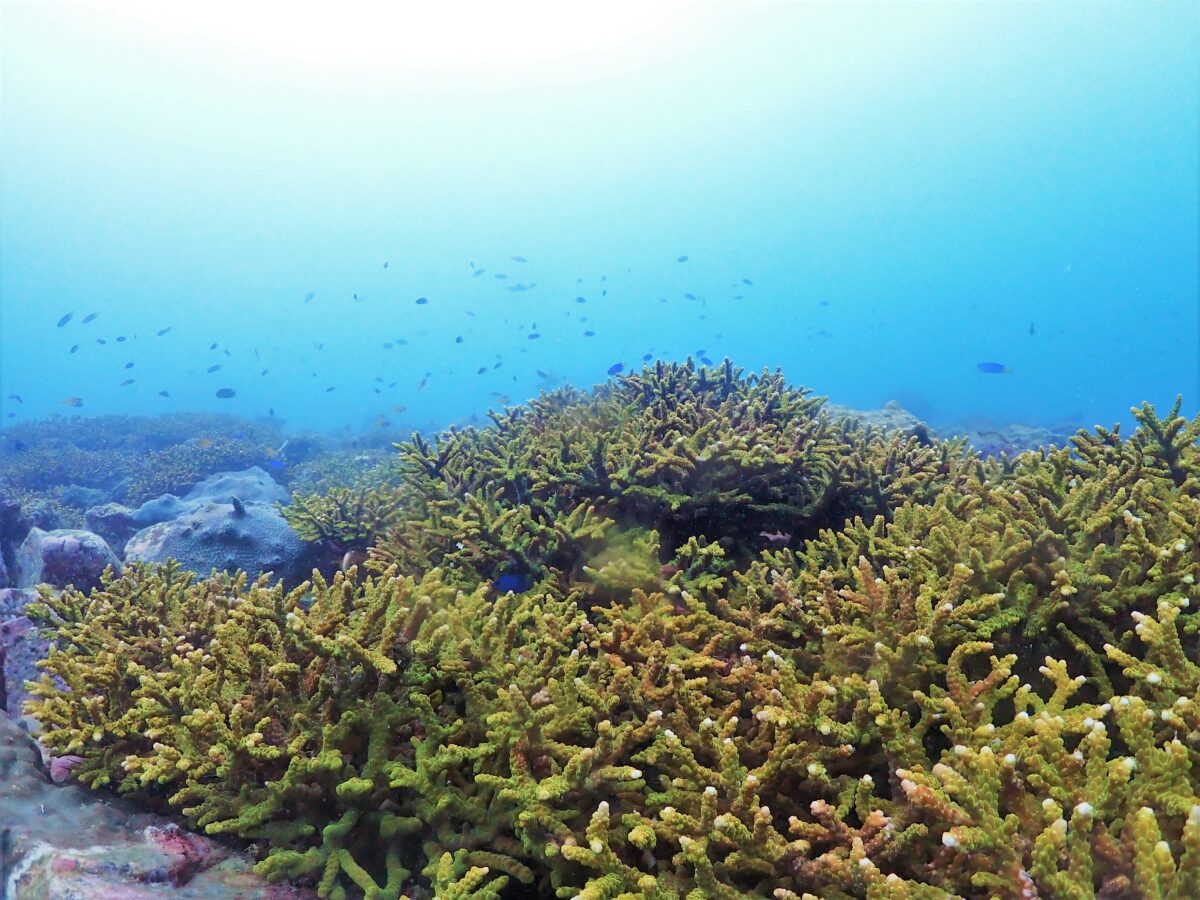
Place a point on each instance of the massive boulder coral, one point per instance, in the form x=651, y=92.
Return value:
x=227, y=537
x=987, y=689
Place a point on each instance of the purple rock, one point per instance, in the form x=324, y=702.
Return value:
x=67, y=556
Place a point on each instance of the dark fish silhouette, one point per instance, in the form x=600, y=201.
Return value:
x=164, y=394
x=74, y=347
x=589, y=334
x=747, y=282
x=309, y=296
x=681, y=259
x=458, y=340
x=518, y=259
x=73, y=401
x=90, y=317
x=615, y=368
x=226, y=393
x=65, y=319
x=16, y=397
x=127, y=382
x=533, y=336
x=421, y=301
x=101, y=341
x=213, y=368
x=162, y=331
x=212, y=346
x=993, y=368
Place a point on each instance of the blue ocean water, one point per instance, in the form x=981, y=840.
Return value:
x=876, y=198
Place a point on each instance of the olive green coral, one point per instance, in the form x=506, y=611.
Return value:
x=984, y=687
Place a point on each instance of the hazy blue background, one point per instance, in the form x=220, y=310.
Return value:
x=908, y=187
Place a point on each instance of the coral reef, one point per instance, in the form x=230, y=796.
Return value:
x=131, y=458
x=954, y=678
x=745, y=462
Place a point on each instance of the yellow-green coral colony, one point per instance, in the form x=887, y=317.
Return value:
x=958, y=679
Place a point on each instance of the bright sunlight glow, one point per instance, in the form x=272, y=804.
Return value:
x=406, y=34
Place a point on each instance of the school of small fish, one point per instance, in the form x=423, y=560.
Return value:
x=578, y=322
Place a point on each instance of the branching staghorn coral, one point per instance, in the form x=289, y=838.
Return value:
x=990, y=691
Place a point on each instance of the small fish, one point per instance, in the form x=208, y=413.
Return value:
x=264, y=371
x=681, y=259
x=212, y=346
x=204, y=443
x=477, y=273
x=90, y=317
x=777, y=537
x=421, y=301
x=458, y=340
x=308, y=298
x=647, y=357
x=213, y=368
x=226, y=393
x=589, y=334
x=690, y=296
x=277, y=464
x=512, y=582
x=500, y=275
x=16, y=397
x=518, y=259
x=706, y=361
x=164, y=393
x=162, y=331
x=481, y=370
x=993, y=368
x=581, y=299
x=424, y=381
x=399, y=409
x=72, y=401
x=533, y=336
x=747, y=282
x=388, y=345
x=129, y=365
x=127, y=382
x=74, y=347
x=330, y=388
x=542, y=374
x=65, y=319
x=101, y=341
x=1032, y=330
x=121, y=339
x=385, y=265
x=615, y=368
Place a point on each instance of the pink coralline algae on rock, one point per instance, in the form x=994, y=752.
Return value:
x=68, y=843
